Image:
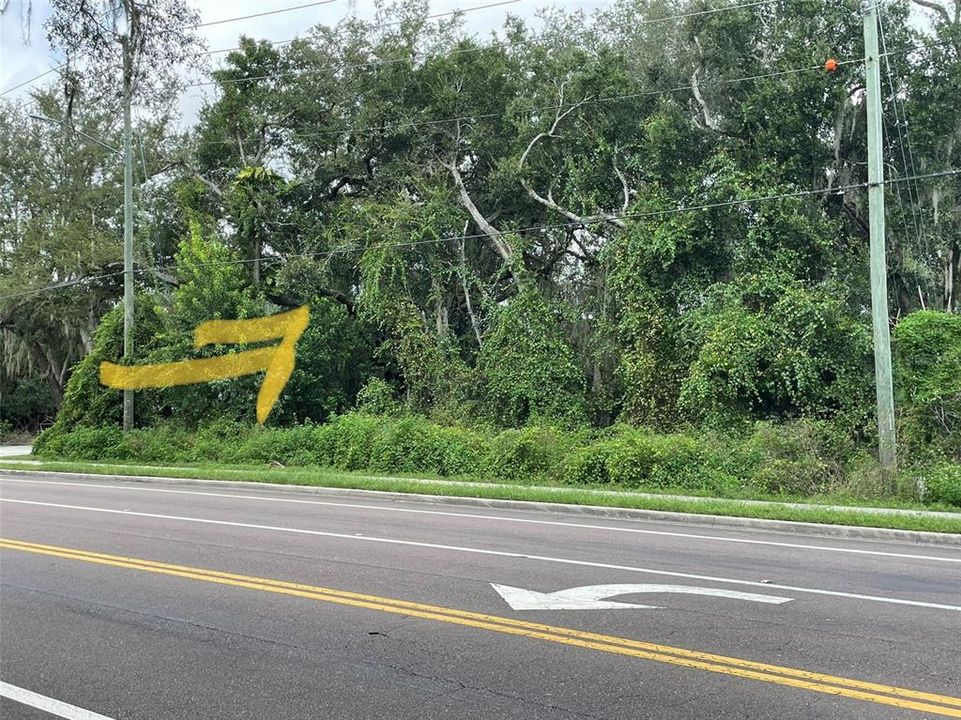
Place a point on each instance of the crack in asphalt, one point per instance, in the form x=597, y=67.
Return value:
x=92, y=607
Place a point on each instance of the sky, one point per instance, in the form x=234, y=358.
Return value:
x=25, y=53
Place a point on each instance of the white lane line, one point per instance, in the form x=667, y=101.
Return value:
x=498, y=518
x=48, y=704
x=497, y=553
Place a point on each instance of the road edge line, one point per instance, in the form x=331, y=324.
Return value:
x=916, y=537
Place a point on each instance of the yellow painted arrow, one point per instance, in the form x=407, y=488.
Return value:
x=277, y=360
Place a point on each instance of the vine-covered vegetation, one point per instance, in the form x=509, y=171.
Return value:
x=611, y=249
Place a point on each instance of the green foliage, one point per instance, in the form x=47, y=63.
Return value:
x=927, y=358
x=376, y=397
x=500, y=283
x=775, y=349
x=794, y=460
x=528, y=370
x=801, y=458
x=25, y=402
x=942, y=484
x=413, y=444
x=532, y=454
x=638, y=458
x=332, y=358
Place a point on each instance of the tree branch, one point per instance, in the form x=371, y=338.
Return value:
x=287, y=300
x=624, y=186
x=939, y=9
x=213, y=188
x=548, y=201
x=710, y=120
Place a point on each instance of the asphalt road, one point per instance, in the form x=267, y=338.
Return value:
x=145, y=600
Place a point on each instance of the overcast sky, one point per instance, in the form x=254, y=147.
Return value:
x=25, y=53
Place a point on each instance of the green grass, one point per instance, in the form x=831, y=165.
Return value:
x=606, y=497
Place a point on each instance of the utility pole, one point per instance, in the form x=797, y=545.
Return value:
x=887, y=446
x=127, y=229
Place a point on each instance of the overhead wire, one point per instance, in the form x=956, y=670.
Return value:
x=288, y=41
x=907, y=157
x=33, y=79
x=433, y=16
x=479, y=48
x=278, y=11
x=411, y=124
x=345, y=249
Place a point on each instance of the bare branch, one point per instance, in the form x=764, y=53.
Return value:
x=624, y=186
x=502, y=246
x=710, y=120
x=558, y=117
x=213, y=188
x=463, y=282
x=497, y=238
x=548, y=201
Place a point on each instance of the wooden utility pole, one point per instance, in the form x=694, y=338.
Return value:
x=887, y=449
x=127, y=226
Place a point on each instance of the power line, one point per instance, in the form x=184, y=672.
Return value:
x=411, y=124
x=534, y=228
x=373, y=63
x=404, y=125
x=287, y=42
x=396, y=22
x=268, y=12
x=480, y=48
x=917, y=214
x=33, y=79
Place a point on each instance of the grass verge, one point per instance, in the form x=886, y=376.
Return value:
x=320, y=477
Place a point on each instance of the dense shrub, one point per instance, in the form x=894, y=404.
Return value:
x=533, y=454
x=377, y=397
x=927, y=355
x=346, y=442
x=24, y=402
x=801, y=458
x=332, y=362
x=637, y=458
x=412, y=444
x=942, y=484
x=770, y=349
x=527, y=368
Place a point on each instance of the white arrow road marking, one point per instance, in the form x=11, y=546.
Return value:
x=591, y=597
x=497, y=553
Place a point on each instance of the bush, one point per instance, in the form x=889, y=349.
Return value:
x=25, y=402
x=803, y=457
x=413, y=444
x=772, y=349
x=528, y=370
x=589, y=465
x=927, y=363
x=377, y=397
x=942, y=484
x=534, y=454
x=799, y=458
x=345, y=442
x=82, y=443
x=637, y=458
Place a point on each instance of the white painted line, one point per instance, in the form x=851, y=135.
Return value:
x=497, y=518
x=496, y=553
x=47, y=704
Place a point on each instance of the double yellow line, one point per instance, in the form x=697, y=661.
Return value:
x=803, y=679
